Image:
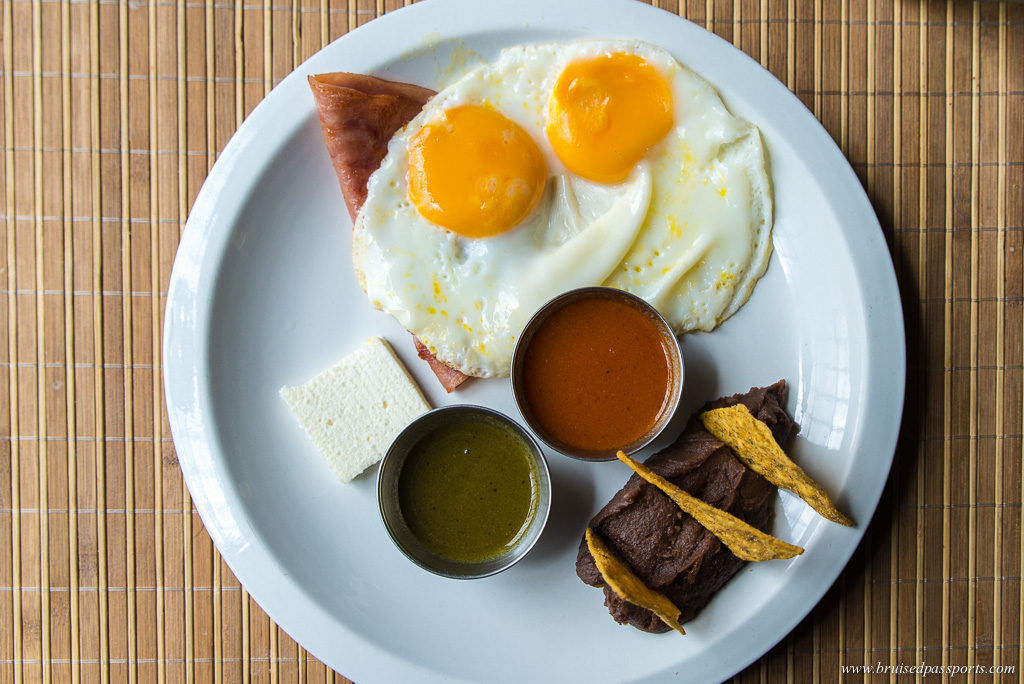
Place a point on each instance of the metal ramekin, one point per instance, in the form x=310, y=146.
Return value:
x=391, y=513
x=668, y=336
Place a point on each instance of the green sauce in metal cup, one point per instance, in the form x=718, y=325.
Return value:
x=468, y=489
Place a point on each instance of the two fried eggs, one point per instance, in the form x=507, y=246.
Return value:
x=560, y=166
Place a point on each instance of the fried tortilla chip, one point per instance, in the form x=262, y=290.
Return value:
x=628, y=586
x=752, y=442
x=745, y=541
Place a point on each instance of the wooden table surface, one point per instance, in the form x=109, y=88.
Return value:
x=114, y=111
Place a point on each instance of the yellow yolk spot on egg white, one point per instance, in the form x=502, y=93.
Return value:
x=606, y=112
x=475, y=172
x=438, y=294
x=674, y=228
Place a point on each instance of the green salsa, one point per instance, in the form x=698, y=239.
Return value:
x=468, y=490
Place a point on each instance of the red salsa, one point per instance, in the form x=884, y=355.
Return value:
x=597, y=374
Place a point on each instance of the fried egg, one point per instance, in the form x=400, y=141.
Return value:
x=560, y=166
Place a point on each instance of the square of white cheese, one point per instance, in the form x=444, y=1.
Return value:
x=354, y=410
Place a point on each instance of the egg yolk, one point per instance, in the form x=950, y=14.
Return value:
x=605, y=113
x=475, y=172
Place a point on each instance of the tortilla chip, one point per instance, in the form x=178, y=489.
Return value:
x=753, y=444
x=745, y=541
x=628, y=586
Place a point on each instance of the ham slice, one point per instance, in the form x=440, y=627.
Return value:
x=448, y=376
x=358, y=115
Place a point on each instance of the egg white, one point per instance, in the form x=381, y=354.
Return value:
x=688, y=230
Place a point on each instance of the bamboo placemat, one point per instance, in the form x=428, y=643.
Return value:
x=113, y=112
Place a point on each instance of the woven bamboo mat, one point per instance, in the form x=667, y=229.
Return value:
x=113, y=112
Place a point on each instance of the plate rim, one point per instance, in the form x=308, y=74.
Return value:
x=240, y=544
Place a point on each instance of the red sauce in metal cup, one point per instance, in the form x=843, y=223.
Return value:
x=597, y=374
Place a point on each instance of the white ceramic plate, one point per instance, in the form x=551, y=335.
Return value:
x=263, y=295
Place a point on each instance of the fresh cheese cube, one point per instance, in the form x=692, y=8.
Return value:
x=354, y=410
